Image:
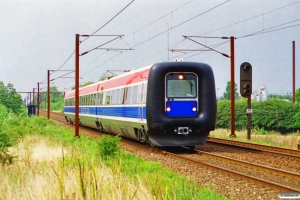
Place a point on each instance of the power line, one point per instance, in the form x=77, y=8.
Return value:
x=256, y=33
x=182, y=23
x=93, y=34
x=161, y=17
x=166, y=30
x=212, y=46
x=109, y=21
x=251, y=18
x=145, y=27
x=268, y=29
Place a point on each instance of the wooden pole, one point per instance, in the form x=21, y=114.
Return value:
x=232, y=84
x=77, y=86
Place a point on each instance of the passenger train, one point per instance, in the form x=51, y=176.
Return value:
x=165, y=104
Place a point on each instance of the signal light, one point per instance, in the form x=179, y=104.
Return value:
x=246, y=79
x=246, y=89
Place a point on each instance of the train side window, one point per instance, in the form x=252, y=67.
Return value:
x=117, y=100
x=128, y=97
x=121, y=101
x=100, y=97
x=113, y=97
x=93, y=99
x=96, y=98
x=108, y=97
x=94, y=102
x=88, y=99
x=73, y=102
x=124, y=95
x=134, y=94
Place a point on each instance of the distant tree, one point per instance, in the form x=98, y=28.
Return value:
x=297, y=95
x=104, y=76
x=226, y=94
x=84, y=84
x=278, y=96
x=297, y=116
x=10, y=98
x=56, y=99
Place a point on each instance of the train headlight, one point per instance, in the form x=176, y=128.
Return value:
x=194, y=108
x=168, y=108
x=180, y=77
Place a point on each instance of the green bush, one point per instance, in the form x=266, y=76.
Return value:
x=108, y=146
x=271, y=115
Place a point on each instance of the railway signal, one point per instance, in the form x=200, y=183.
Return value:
x=246, y=79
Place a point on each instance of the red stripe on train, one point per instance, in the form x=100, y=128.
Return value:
x=134, y=77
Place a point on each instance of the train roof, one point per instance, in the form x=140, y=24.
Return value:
x=133, y=76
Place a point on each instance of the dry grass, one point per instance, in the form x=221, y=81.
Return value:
x=273, y=139
x=39, y=174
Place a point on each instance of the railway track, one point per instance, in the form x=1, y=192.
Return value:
x=268, y=149
x=232, y=173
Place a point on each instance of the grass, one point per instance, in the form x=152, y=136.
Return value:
x=52, y=164
x=261, y=136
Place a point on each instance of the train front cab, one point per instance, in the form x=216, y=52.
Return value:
x=181, y=103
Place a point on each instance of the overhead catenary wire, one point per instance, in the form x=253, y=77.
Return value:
x=173, y=27
x=147, y=26
x=93, y=34
x=244, y=20
x=271, y=29
x=166, y=31
x=182, y=23
x=159, y=18
x=109, y=20
x=111, y=58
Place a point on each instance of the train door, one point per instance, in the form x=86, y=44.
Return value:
x=141, y=101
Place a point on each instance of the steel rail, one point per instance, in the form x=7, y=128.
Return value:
x=258, y=147
x=253, y=165
x=258, y=181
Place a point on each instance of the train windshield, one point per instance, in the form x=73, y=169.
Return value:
x=181, y=85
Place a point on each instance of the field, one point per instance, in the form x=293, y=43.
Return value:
x=290, y=141
x=49, y=163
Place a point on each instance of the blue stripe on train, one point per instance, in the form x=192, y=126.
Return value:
x=130, y=112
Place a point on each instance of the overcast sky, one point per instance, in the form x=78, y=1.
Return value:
x=39, y=35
